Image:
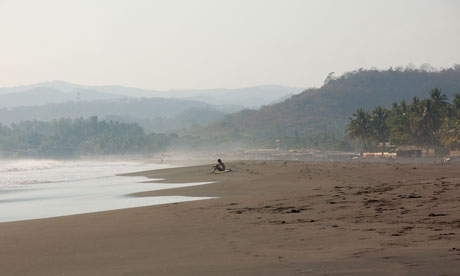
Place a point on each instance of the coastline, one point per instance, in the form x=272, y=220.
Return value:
x=268, y=218
x=37, y=189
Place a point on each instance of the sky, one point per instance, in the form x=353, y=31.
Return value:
x=196, y=44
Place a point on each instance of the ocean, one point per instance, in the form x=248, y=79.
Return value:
x=35, y=189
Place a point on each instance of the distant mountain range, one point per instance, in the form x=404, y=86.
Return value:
x=44, y=95
x=155, y=111
x=60, y=91
x=327, y=109
x=130, y=108
x=321, y=113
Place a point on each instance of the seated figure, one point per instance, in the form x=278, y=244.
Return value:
x=220, y=166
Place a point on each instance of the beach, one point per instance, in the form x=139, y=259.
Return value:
x=265, y=218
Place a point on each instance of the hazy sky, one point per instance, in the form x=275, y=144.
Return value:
x=219, y=43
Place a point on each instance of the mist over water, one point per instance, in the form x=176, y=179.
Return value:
x=32, y=189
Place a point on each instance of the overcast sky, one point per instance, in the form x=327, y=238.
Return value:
x=188, y=44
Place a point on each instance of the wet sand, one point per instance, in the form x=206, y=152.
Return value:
x=270, y=218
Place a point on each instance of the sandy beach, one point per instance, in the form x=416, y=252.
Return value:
x=268, y=218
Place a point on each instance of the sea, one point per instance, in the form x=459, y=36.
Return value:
x=36, y=189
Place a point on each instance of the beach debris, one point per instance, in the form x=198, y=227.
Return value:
x=277, y=221
x=282, y=208
x=372, y=200
x=410, y=196
x=436, y=215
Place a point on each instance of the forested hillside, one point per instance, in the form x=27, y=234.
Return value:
x=69, y=138
x=193, y=117
x=150, y=108
x=321, y=114
x=315, y=118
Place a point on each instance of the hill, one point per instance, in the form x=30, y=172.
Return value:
x=127, y=110
x=43, y=95
x=248, y=97
x=320, y=115
x=60, y=91
x=193, y=117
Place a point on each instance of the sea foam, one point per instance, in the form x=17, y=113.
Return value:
x=31, y=189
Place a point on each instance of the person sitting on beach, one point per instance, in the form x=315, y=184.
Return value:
x=220, y=166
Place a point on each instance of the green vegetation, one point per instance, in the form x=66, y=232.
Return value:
x=67, y=138
x=429, y=123
x=134, y=109
x=316, y=118
x=322, y=112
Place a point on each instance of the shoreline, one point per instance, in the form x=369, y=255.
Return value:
x=269, y=218
x=46, y=189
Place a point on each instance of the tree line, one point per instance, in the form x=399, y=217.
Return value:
x=306, y=118
x=75, y=137
x=428, y=123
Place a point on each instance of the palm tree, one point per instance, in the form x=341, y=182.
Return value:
x=360, y=127
x=451, y=129
x=415, y=114
x=379, y=125
x=398, y=124
x=451, y=137
x=454, y=110
x=414, y=104
x=439, y=100
x=456, y=101
x=423, y=123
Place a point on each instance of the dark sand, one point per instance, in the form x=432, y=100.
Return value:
x=271, y=218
